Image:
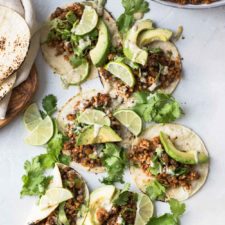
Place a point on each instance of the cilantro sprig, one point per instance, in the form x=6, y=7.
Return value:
x=156, y=191
x=131, y=7
x=158, y=107
x=115, y=161
x=177, y=210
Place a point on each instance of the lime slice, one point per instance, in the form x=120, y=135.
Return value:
x=93, y=116
x=130, y=120
x=78, y=75
x=88, y=21
x=32, y=117
x=53, y=197
x=121, y=71
x=42, y=133
x=144, y=210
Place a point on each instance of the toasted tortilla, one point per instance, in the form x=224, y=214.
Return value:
x=63, y=67
x=7, y=85
x=165, y=46
x=38, y=215
x=14, y=41
x=63, y=122
x=186, y=140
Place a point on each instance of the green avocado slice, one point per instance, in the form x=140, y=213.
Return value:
x=189, y=157
x=158, y=34
x=97, y=135
x=99, y=53
x=130, y=48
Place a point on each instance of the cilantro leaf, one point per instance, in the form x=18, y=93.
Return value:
x=34, y=181
x=122, y=198
x=158, y=107
x=166, y=219
x=177, y=208
x=49, y=104
x=156, y=191
x=115, y=161
x=127, y=19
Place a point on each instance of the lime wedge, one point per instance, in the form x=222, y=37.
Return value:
x=144, y=210
x=121, y=71
x=130, y=120
x=78, y=75
x=88, y=21
x=53, y=197
x=32, y=117
x=93, y=116
x=42, y=133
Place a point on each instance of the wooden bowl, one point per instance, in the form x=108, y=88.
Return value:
x=21, y=97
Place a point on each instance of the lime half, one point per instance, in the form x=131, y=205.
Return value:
x=121, y=71
x=42, y=133
x=54, y=197
x=130, y=120
x=144, y=210
x=88, y=21
x=93, y=116
x=32, y=117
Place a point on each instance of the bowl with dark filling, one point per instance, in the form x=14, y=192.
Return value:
x=192, y=4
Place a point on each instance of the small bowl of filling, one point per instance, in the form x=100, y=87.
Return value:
x=192, y=4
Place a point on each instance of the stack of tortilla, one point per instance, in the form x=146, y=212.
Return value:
x=18, y=47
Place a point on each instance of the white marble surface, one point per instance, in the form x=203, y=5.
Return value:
x=202, y=93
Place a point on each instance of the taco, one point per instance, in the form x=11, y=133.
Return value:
x=77, y=37
x=110, y=206
x=149, y=62
x=66, y=200
x=88, y=123
x=170, y=158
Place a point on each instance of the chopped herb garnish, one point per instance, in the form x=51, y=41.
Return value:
x=115, y=161
x=131, y=7
x=156, y=191
x=158, y=107
x=177, y=210
x=49, y=104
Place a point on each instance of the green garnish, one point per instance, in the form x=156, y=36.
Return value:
x=34, y=181
x=156, y=191
x=132, y=7
x=122, y=197
x=158, y=107
x=177, y=210
x=115, y=161
x=49, y=104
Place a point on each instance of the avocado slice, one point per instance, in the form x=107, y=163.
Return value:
x=189, y=157
x=98, y=198
x=99, y=53
x=158, y=34
x=104, y=134
x=130, y=47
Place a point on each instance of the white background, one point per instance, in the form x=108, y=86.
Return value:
x=201, y=92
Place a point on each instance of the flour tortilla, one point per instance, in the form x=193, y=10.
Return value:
x=38, y=215
x=63, y=122
x=185, y=140
x=14, y=41
x=62, y=66
x=165, y=46
x=7, y=85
